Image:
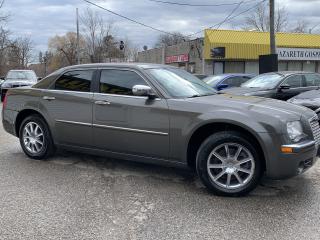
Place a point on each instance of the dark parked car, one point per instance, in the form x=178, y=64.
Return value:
x=310, y=99
x=227, y=80
x=164, y=115
x=278, y=85
x=17, y=78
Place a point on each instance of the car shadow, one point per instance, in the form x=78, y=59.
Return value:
x=115, y=168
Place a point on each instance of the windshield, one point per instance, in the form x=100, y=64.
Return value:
x=180, y=84
x=213, y=80
x=22, y=75
x=266, y=81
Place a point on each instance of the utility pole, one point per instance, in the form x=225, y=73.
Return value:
x=272, y=32
x=78, y=40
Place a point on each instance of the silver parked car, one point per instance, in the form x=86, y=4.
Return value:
x=164, y=115
x=17, y=78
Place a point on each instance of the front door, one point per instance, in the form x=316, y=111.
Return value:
x=297, y=85
x=69, y=106
x=128, y=124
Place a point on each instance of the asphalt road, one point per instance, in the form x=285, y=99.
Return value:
x=74, y=196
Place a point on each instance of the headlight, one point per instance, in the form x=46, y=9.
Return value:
x=295, y=131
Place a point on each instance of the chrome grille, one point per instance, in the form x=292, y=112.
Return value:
x=314, y=124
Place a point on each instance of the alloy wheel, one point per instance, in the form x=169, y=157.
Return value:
x=231, y=165
x=33, y=137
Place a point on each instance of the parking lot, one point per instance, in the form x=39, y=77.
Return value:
x=75, y=196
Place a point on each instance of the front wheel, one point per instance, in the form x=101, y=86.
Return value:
x=228, y=164
x=35, y=138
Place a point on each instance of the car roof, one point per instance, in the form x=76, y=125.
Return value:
x=232, y=74
x=22, y=70
x=124, y=65
x=287, y=73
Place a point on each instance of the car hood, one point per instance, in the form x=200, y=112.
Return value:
x=16, y=83
x=268, y=106
x=242, y=90
x=310, y=99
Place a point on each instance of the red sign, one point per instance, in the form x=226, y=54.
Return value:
x=177, y=58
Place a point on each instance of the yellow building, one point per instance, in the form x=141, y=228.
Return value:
x=296, y=51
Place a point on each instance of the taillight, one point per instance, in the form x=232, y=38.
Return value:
x=5, y=100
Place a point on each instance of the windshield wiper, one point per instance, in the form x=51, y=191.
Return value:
x=203, y=95
x=194, y=96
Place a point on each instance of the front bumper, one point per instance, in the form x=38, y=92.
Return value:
x=304, y=155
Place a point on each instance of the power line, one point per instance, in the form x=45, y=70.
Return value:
x=228, y=18
x=201, y=5
x=127, y=18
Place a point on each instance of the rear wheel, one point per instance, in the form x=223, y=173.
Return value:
x=35, y=138
x=228, y=164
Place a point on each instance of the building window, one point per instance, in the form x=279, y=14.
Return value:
x=294, y=66
x=234, y=67
x=309, y=66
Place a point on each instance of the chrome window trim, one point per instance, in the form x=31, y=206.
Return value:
x=126, y=96
x=66, y=91
x=114, y=127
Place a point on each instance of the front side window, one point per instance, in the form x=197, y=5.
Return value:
x=79, y=81
x=119, y=81
x=294, y=81
x=179, y=83
x=312, y=80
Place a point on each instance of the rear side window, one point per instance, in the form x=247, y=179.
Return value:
x=294, y=81
x=79, y=81
x=119, y=81
x=236, y=81
x=312, y=80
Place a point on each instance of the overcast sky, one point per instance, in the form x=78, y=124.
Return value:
x=42, y=19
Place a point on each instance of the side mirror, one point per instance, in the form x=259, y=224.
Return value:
x=39, y=78
x=222, y=86
x=143, y=90
x=2, y=78
x=284, y=87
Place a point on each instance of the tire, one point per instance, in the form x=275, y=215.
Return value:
x=222, y=175
x=30, y=140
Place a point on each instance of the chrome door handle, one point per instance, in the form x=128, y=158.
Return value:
x=48, y=98
x=102, y=103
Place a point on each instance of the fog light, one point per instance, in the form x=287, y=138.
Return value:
x=286, y=150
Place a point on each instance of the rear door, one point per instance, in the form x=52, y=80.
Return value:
x=68, y=103
x=124, y=123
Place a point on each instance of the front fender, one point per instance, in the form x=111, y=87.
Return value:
x=265, y=134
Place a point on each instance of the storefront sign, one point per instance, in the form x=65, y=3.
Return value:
x=177, y=58
x=301, y=54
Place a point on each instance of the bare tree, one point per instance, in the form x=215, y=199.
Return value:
x=170, y=39
x=259, y=20
x=65, y=48
x=21, y=52
x=302, y=26
x=3, y=16
x=98, y=35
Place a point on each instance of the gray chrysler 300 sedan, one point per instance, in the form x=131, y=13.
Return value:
x=161, y=114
